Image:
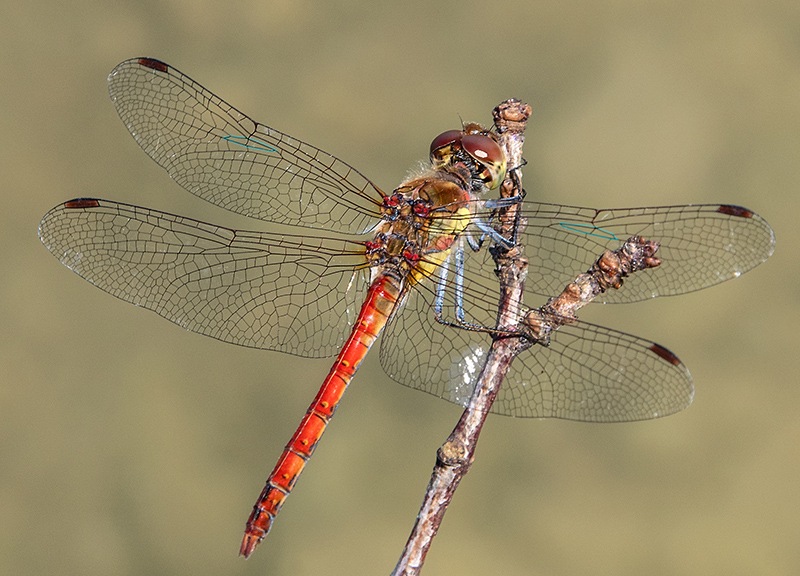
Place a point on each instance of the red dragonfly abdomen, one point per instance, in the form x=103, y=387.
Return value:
x=378, y=305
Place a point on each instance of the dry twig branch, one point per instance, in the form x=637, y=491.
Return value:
x=517, y=332
x=455, y=456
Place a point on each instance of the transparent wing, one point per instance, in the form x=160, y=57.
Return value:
x=223, y=156
x=272, y=291
x=701, y=245
x=587, y=373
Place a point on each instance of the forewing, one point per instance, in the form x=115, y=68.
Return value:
x=272, y=291
x=701, y=245
x=223, y=156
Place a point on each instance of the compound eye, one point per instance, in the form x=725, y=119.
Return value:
x=482, y=148
x=487, y=152
x=442, y=145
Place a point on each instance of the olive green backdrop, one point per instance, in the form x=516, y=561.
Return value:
x=128, y=446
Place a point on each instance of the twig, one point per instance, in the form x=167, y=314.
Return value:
x=536, y=326
x=607, y=272
x=455, y=456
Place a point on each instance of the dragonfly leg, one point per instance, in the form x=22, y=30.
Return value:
x=491, y=233
x=458, y=285
x=494, y=203
x=438, y=304
x=474, y=244
x=459, y=281
x=487, y=229
x=458, y=288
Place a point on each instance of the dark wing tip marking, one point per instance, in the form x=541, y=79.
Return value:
x=738, y=211
x=154, y=64
x=665, y=354
x=82, y=203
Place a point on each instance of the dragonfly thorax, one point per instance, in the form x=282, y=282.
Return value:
x=420, y=221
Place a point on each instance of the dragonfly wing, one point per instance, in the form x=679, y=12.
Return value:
x=421, y=353
x=701, y=245
x=223, y=156
x=594, y=374
x=272, y=291
x=587, y=373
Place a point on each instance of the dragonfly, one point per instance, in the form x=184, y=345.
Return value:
x=343, y=261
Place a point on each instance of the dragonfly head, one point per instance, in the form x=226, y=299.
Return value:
x=474, y=146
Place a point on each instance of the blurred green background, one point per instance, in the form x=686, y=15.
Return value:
x=128, y=446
